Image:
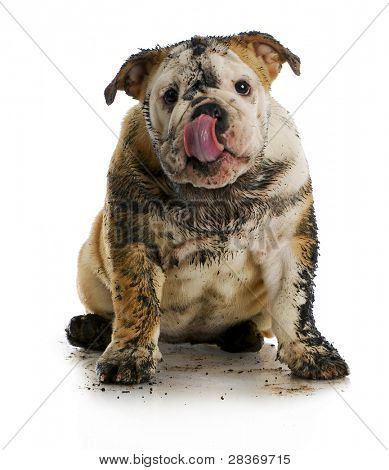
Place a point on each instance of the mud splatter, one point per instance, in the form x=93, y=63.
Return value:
x=191, y=372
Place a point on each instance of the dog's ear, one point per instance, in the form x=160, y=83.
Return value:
x=268, y=51
x=134, y=74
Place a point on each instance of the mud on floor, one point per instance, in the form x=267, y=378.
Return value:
x=204, y=370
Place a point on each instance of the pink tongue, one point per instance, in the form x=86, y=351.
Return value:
x=200, y=139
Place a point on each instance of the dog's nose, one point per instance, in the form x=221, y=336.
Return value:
x=216, y=111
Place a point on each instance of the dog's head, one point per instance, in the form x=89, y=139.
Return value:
x=206, y=103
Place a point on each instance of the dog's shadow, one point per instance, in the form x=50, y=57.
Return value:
x=208, y=371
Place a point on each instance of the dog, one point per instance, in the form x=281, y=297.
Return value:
x=208, y=232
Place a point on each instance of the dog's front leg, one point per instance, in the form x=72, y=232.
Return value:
x=133, y=354
x=300, y=345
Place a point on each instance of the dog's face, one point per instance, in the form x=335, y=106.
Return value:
x=206, y=103
x=208, y=115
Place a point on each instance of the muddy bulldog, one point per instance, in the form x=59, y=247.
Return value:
x=208, y=232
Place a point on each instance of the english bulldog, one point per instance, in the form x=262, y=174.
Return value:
x=208, y=232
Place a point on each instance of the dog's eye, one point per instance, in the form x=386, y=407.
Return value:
x=170, y=96
x=242, y=87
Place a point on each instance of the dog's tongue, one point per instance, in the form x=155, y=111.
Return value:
x=200, y=139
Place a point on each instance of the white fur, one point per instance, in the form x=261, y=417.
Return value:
x=247, y=260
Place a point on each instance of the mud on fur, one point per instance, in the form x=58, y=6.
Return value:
x=208, y=232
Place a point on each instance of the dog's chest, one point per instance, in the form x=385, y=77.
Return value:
x=209, y=291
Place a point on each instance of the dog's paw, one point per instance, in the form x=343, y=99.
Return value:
x=242, y=337
x=89, y=331
x=131, y=365
x=316, y=365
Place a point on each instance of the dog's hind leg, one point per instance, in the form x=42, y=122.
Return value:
x=247, y=336
x=93, y=330
x=89, y=331
x=242, y=337
x=95, y=296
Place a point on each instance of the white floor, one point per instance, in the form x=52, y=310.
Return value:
x=208, y=372
x=203, y=402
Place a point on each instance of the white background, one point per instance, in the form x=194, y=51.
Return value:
x=54, y=157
